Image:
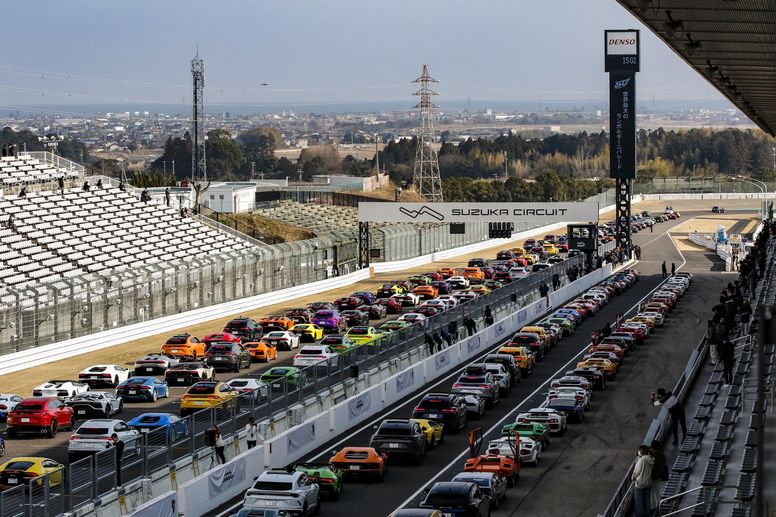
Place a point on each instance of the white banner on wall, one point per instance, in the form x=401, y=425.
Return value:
x=223, y=479
x=359, y=405
x=544, y=213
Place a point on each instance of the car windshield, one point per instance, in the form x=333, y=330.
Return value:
x=177, y=340
x=394, y=430
x=19, y=465
x=149, y=419
x=331, y=340
x=359, y=331
x=277, y=486
x=481, y=481
x=279, y=371
x=435, y=403
x=219, y=349
x=562, y=401
x=137, y=380
x=92, y=431
x=311, y=351
x=523, y=340
x=237, y=324
x=446, y=499
x=324, y=314
x=238, y=384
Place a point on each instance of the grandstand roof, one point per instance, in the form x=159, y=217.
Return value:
x=731, y=43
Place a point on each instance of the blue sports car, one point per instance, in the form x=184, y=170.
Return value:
x=574, y=409
x=143, y=389
x=147, y=422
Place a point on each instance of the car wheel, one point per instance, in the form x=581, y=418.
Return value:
x=511, y=481
x=535, y=463
x=106, y=412
x=154, y=395
x=52, y=430
x=121, y=407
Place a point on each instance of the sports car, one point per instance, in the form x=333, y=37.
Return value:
x=355, y=317
x=580, y=394
x=363, y=335
x=554, y=420
x=360, y=462
x=147, y=422
x=299, y=315
x=376, y=311
x=7, y=403
x=608, y=347
x=249, y=387
x=277, y=376
x=154, y=364
x=458, y=282
x=281, y=493
x=493, y=461
x=407, y=299
x=62, y=389
x=442, y=287
x=426, y=292
x=566, y=325
x=327, y=477
x=447, y=272
x=412, y=318
x=348, y=303
x=188, y=373
x=433, y=430
x=428, y=310
x=220, y=337
x=207, y=394
x=247, y=329
x=480, y=290
x=492, y=484
x=492, y=284
x=530, y=341
x=393, y=326
x=261, y=352
x=104, y=374
x=475, y=406
x=465, y=296
x=329, y=321
x=606, y=366
x=528, y=450
x=417, y=280
x=95, y=404
x=571, y=381
x=537, y=432
x=307, y=332
x=392, y=305
x=321, y=306
x=366, y=297
x=281, y=339
x=338, y=343
x=603, y=354
x=276, y=322
x=573, y=407
x=522, y=355
x=143, y=388
x=596, y=377
x=657, y=317
x=184, y=346
x=21, y=470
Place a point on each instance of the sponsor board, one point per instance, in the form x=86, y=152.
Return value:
x=477, y=212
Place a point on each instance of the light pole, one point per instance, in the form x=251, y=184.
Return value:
x=377, y=152
x=763, y=189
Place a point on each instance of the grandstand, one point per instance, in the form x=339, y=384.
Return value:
x=35, y=168
x=312, y=216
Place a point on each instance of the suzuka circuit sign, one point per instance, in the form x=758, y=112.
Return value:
x=476, y=212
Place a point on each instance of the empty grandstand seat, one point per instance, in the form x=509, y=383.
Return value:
x=712, y=476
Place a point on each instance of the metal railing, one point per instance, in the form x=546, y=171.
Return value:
x=679, y=496
x=90, y=477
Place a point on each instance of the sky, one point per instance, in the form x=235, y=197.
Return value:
x=138, y=52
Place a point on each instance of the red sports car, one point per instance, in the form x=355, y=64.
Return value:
x=43, y=415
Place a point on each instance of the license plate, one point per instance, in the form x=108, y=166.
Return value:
x=393, y=445
x=277, y=385
x=13, y=481
x=269, y=502
x=25, y=420
x=199, y=402
x=149, y=369
x=143, y=429
x=219, y=358
x=355, y=467
x=81, y=411
x=133, y=392
x=181, y=379
x=435, y=416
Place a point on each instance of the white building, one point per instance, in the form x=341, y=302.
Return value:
x=230, y=198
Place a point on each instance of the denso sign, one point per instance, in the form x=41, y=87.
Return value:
x=622, y=43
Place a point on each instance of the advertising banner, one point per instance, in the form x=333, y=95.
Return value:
x=405, y=380
x=622, y=125
x=359, y=405
x=300, y=436
x=544, y=213
x=166, y=505
x=226, y=478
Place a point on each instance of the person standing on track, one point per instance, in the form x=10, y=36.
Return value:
x=664, y=269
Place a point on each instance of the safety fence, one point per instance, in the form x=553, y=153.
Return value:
x=88, y=478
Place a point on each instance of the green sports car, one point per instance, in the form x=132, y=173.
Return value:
x=538, y=432
x=421, y=280
x=566, y=325
x=393, y=326
x=328, y=477
x=275, y=377
x=492, y=284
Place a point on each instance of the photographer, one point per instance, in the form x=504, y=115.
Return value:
x=675, y=410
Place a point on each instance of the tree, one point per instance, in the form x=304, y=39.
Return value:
x=73, y=150
x=142, y=179
x=176, y=150
x=259, y=144
x=224, y=156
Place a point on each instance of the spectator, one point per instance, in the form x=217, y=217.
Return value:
x=446, y=336
x=167, y=196
x=23, y=192
x=471, y=326
x=10, y=222
x=118, y=447
x=488, y=316
x=673, y=269
x=452, y=328
x=99, y=183
x=12, y=150
x=675, y=409
x=61, y=184
x=746, y=315
x=659, y=469
x=651, y=228
x=664, y=269
x=86, y=186
x=642, y=482
x=544, y=291
x=711, y=339
x=122, y=186
x=438, y=340
x=555, y=282
x=594, y=337
x=731, y=308
x=638, y=251
x=727, y=353
x=5, y=150
x=145, y=196
x=599, y=262
x=430, y=343
x=252, y=433
x=219, y=445
x=183, y=211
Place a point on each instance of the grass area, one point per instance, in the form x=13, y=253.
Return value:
x=270, y=228
x=389, y=192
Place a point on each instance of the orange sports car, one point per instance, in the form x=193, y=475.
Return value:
x=494, y=462
x=261, y=352
x=361, y=461
x=607, y=347
x=184, y=346
x=447, y=272
x=473, y=273
x=428, y=292
x=276, y=322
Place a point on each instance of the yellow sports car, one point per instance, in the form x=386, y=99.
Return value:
x=550, y=249
x=432, y=430
x=19, y=471
x=363, y=335
x=479, y=289
x=206, y=394
x=522, y=355
x=605, y=365
x=518, y=251
x=542, y=334
x=307, y=332
x=530, y=258
x=649, y=322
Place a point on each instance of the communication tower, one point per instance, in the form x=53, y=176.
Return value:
x=426, y=179
x=198, y=163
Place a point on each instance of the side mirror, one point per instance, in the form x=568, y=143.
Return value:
x=334, y=452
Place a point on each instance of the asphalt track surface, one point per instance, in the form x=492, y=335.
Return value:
x=579, y=471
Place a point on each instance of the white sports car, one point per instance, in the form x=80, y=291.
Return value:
x=64, y=389
x=105, y=374
x=99, y=404
x=458, y=282
x=553, y=419
x=529, y=450
x=282, y=340
x=570, y=392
